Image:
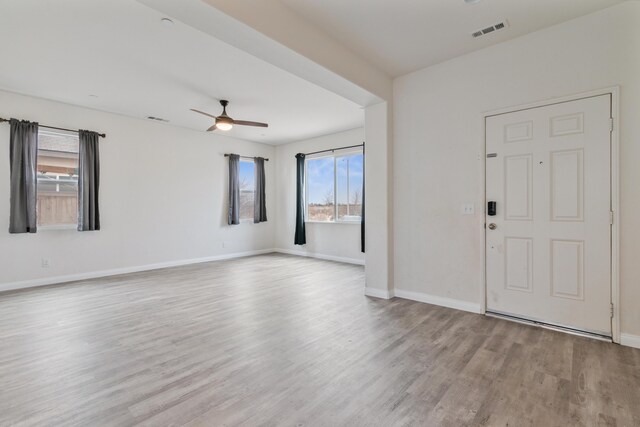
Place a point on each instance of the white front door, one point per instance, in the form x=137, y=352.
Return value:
x=548, y=248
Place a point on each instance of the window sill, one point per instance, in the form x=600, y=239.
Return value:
x=333, y=222
x=58, y=227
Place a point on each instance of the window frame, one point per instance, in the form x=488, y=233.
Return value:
x=56, y=227
x=343, y=153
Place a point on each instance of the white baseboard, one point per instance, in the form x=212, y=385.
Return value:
x=10, y=286
x=630, y=340
x=378, y=293
x=321, y=256
x=436, y=300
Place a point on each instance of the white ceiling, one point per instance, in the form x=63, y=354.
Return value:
x=401, y=36
x=120, y=51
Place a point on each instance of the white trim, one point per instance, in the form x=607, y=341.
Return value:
x=58, y=227
x=614, y=91
x=320, y=256
x=547, y=326
x=482, y=224
x=378, y=293
x=441, y=301
x=357, y=222
x=9, y=286
x=630, y=340
x=549, y=101
x=615, y=207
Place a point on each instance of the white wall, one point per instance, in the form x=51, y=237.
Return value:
x=162, y=197
x=438, y=139
x=331, y=240
x=378, y=196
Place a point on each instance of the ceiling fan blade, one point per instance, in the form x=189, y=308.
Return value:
x=248, y=123
x=202, y=112
x=212, y=128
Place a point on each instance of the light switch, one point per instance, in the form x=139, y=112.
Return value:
x=468, y=209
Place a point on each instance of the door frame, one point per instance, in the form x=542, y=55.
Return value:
x=614, y=91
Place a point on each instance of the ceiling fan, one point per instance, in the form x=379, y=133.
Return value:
x=224, y=122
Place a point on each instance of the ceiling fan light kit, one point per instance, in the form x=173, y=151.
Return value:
x=225, y=123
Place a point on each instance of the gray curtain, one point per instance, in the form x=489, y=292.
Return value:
x=88, y=181
x=23, y=159
x=301, y=235
x=260, y=204
x=234, y=189
x=362, y=227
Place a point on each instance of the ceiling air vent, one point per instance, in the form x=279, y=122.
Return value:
x=483, y=32
x=157, y=119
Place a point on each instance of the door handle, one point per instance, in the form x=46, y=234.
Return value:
x=492, y=226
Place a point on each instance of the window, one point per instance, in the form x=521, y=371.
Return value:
x=320, y=189
x=334, y=188
x=57, y=202
x=247, y=189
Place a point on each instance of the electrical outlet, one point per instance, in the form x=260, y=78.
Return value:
x=46, y=263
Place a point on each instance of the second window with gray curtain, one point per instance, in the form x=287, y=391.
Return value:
x=259, y=199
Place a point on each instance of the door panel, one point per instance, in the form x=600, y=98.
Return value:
x=518, y=184
x=567, y=269
x=567, y=189
x=518, y=263
x=549, y=256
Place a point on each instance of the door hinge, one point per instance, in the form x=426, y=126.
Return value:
x=611, y=124
x=612, y=310
x=610, y=217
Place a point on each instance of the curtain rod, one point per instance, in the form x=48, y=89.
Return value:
x=334, y=149
x=245, y=157
x=103, y=135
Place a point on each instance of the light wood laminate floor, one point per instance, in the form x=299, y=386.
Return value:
x=277, y=340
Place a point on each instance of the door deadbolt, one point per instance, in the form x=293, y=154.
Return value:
x=491, y=208
x=492, y=226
